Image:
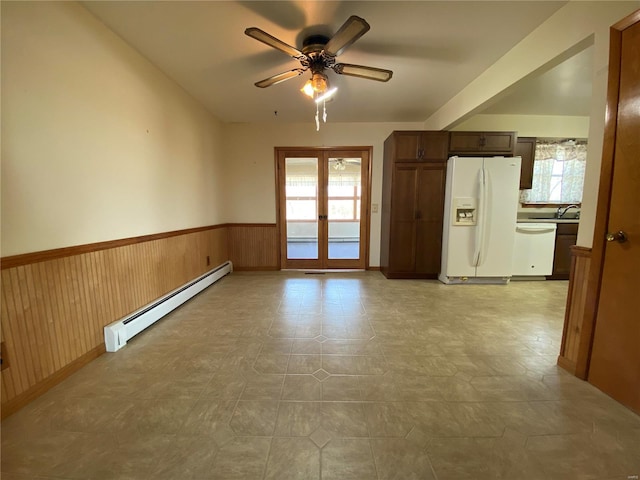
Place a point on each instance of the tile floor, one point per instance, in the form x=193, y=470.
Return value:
x=342, y=376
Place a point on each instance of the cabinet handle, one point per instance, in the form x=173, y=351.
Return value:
x=421, y=153
x=483, y=141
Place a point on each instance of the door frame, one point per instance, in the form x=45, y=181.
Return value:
x=365, y=217
x=603, y=207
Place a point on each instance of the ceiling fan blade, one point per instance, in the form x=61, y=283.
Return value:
x=371, y=73
x=348, y=33
x=281, y=77
x=272, y=41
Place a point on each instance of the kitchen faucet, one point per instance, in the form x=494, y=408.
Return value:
x=562, y=211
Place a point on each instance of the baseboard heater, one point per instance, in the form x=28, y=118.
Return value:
x=117, y=334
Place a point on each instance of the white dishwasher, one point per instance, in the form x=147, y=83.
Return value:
x=533, y=249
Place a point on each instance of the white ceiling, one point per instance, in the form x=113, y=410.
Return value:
x=434, y=49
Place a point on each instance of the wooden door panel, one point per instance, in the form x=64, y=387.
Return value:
x=403, y=246
x=407, y=145
x=562, y=255
x=499, y=142
x=403, y=202
x=428, y=248
x=435, y=146
x=526, y=148
x=615, y=357
x=430, y=201
x=465, y=142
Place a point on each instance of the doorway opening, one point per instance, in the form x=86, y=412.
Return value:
x=323, y=207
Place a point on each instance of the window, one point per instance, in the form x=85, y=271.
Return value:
x=344, y=195
x=558, y=173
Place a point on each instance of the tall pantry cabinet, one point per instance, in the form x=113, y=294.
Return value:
x=414, y=173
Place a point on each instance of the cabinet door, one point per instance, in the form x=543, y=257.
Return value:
x=482, y=143
x=430, y=211
x=465, y=142
x=526, y=148
x=498, y=142
x=403, y=219
x=407, y=146
x=562, y=256
x=434, y=146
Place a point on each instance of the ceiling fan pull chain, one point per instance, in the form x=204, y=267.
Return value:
x=317, y=118
x=324, y=111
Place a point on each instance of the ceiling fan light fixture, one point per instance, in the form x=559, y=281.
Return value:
x=318, y=54
x=307, y=89
x=319, y=82
x=316, y=86
x=326, y=95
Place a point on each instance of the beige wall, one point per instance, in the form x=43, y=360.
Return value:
x=250, y=164
x=97, y=143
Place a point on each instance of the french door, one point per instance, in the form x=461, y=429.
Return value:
x=323, y=214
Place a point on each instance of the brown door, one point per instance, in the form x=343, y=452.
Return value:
x=323, y=212
x=430, y=202
x=615, y=357
x=417, y=204
x=403, y=203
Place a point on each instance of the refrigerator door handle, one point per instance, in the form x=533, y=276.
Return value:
x=486, y=191
x=480, y=226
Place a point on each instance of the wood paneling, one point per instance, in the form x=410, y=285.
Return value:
x=575, y=312
x=54, y=309
x=28, y=258
x=254, y=246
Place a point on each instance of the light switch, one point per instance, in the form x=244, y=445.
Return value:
x=374, y=208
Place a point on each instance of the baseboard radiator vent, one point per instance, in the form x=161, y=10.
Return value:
x=117, y=334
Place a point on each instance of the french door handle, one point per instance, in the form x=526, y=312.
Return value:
x=323, y=217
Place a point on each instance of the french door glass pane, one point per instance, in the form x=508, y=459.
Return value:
x=301, y=190
x=343, y=195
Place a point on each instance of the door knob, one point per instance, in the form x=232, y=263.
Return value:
x=619, y=237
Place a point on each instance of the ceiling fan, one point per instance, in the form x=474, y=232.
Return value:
x=319, y=53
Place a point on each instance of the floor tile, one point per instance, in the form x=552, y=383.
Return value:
x=343, y=376
x=293, y=458
x=242, y=458
x=254, y=418
x=302, y=387
x=397, y=458
x=298, y=419
x=348, y=459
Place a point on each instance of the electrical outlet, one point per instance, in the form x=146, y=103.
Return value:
x=374, y=208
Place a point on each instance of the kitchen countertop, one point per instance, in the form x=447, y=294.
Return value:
x=548, y=220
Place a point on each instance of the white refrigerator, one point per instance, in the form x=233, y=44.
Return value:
x=480, y=212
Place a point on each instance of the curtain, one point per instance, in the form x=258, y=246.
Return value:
x=558, y=173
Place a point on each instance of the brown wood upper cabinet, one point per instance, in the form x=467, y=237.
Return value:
x=526, y=148
x=482, y=143
x=419, y=146
x=413, y=204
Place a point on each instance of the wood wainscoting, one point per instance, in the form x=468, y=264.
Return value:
x=571, y=350
x=55, y=303
x=254, y=246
